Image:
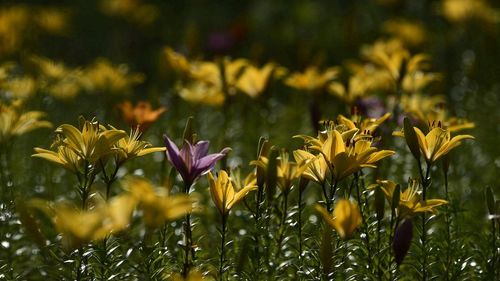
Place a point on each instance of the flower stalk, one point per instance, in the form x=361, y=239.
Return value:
x=222, y=246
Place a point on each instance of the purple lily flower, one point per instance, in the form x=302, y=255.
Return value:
x=192, y=161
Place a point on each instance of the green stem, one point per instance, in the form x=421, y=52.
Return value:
x=222, y=247
x=333, y=190
x=423, y=235
x=448, y=232
x=365, y=223
x=109, y=180
x=300, y=226
x=325, y=195
x=188, y=240
x=281, y=231
x=260, y=193
x=494, y=248
x=379, y=268
x=394, y=224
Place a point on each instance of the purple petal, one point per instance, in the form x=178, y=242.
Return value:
x=175, y=157
x=205, y=164
x=201, y=149
x=187, y=152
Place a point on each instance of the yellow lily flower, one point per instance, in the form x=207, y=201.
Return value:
x=91, y=143
x=223, y=193
x=345, y=131
x=437, y=143
x=364, y=125
x=64, y=157
x=131, y=146
x=311, y=79
x=345, y=159
x=157, y=207
x=316, y=170
x=345, y=219
x=410, y=201
x=15, y=123
x=289, y=171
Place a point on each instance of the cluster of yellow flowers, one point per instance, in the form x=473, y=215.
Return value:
x=210, y=82
x=16, y=22
x=62, y=82
x=93, y=145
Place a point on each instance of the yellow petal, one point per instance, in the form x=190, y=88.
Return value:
x=422, y=143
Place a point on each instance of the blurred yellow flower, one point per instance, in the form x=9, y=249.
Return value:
x=22, y=87
x=411, y=33
x=404, y=69
x=223, y=192
x=131, y=10
x=390, y=55
x=52, y=20
x=410, y=201
x=176, y=61
x=254, y=81
x=157, y=205
x=365, y=79
x=312, y=79
x=13, y=122
x=49, y=68
x=345, y=219
x=102, y=76
x=202, y=92
x=464, y=10
x=419, y=106
x=83, y=226
x=13, y=24
x=58, y=80
x=429, y=110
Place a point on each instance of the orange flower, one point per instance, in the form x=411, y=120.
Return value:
x=141, y=115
